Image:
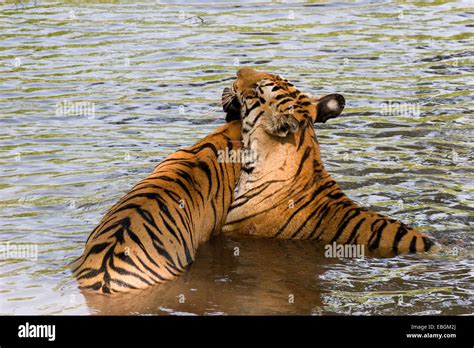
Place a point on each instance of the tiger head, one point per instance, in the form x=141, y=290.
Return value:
x=283, y=109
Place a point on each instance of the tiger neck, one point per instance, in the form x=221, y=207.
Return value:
x=278, y=158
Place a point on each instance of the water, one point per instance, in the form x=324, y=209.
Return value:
x=149, y=76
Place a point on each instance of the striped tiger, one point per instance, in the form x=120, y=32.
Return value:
x=151, y=235
x=284, y=190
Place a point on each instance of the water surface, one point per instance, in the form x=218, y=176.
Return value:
x=95, y=93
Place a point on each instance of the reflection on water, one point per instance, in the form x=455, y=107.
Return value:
x=256, y=276
x=95, y=93
x=233, y=276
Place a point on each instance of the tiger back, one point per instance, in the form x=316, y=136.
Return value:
x=284, y=190
x=152, y=234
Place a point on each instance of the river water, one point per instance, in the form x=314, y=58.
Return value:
x=95, y=93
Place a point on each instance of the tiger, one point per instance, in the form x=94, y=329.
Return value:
x=284, y=190
x=152, y=234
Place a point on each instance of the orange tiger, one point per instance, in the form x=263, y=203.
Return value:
x=151, y=235
x=284, y=190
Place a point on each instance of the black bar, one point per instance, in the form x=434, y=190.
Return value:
x=134, y=330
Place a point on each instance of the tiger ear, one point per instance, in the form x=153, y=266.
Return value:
x=231, y=105
x=329, y=106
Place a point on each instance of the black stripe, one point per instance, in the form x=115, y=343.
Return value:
x=302, y=162
x=128, y=260
x=155, y=274
x=339, y=206
x=123, y=271
x=255, y=191
x=378, y=234
x=120, y=270
x=336, y=195
x=428, y=243
x=173, y=269
x=137, y=241
x=195, y=150
x=155, y=241
x=313, y=196
x=254, y=106
x=170, y=194
x=320, y=209
x=372, y=229
x=180, y=240
x=96, y=286
x=321, y=218
x=252, y=124
x=214, y=215
x=186, y=223
x=398, y=237
x=179, y=213
x=276, y=88
x=302, y=137
x=294, y=93
x=186, y=177
x=354, y=231
x=162, y=251
x=311, y=217
x=122, y=284
x=106, y=276
x=151, y=195
x=219, y=170
x=280, y=96
x=284, y=101
x=88, y=273
x=413, y=245
x=283, y=189
x=111, y=215
x=98, y=248
x=205, y=168
x=145, y=214
x=346, y=219
x=168, y=227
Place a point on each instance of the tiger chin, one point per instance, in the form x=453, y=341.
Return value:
x=152, y=234
x=285, y=192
